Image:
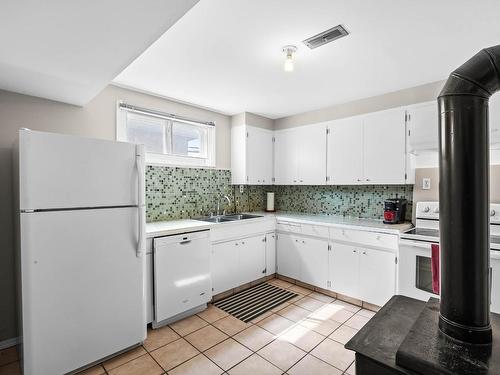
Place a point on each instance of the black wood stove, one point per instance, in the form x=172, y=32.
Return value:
x=458, y=334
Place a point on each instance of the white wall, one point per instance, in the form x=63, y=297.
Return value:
x=247, y=118
x=96, y=119
x=418, y=94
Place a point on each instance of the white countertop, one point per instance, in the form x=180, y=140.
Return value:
x=345, y=222
x=165, y=228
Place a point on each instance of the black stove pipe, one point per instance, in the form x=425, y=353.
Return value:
x=464, y=194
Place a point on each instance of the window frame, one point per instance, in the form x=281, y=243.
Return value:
x=171, y=159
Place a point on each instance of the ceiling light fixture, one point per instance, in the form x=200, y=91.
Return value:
x=289, y=51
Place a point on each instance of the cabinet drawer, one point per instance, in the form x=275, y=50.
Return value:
x=286, y=226
x=315, y=230
x=364, y=238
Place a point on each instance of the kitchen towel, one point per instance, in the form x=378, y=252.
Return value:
x=435, y=267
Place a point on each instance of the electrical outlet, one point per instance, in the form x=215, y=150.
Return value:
x=426, y=183
x=241, y=188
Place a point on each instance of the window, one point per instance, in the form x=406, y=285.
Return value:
x=168, y=139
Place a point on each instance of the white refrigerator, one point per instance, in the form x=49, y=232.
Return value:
x=81, y=250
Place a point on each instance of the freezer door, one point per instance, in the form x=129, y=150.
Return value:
x=83, y=295
x=64, y=171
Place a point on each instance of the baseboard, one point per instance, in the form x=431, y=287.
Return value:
x=9, y=342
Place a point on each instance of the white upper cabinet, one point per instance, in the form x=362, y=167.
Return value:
x=300, y=155
x=285, y=157
x=251, y=155
x=423, y=127
x=312, y=154
x=368, y=149
x=384, y=139
x=494, y=122
x=345, y=151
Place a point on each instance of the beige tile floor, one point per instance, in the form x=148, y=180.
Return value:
x=300, y=337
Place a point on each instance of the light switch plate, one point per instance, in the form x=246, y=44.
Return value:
x=426, y=183
x=241, y=188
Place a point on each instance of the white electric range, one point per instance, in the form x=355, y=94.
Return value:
x=415, y=275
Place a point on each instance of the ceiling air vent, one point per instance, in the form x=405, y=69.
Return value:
x=326, y=37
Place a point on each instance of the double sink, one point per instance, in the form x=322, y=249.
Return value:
x=227, y=218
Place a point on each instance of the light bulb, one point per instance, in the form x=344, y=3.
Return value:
x=288, y=65
x=289, y=51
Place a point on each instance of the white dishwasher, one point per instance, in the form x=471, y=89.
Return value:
x=182, y=283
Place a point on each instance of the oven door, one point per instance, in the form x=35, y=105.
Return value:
x=495, y=281
x=415, y=271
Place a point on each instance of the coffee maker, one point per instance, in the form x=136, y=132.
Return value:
x=394, y=210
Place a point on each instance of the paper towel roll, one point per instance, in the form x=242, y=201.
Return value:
x=270, y=202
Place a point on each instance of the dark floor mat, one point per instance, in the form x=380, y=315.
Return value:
x=250, y=303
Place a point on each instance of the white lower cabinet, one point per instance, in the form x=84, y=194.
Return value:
x=224, y=264
x=344, y=269
x=313, y=259
x=270, y=254
x=377, y=276
x=365, y=274
x=288, y=255
x=237, y=262
x=251, y=259
x=303, y=258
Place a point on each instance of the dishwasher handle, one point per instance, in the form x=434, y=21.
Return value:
x=185, y=242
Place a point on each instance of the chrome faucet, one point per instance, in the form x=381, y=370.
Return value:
x=218, y=204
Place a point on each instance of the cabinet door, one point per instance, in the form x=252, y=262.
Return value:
x=270, y=254
x=423, y=127
x=312, y=154
x=285, y=158
x=345, y=151
x=377, y=273
x=494, y=119
x=495, y=284
x=313, y=259
x=384, y=159
x=344, y=269
x=259, y=156
x=252, y=259
x=224, y=266
x=287, y=256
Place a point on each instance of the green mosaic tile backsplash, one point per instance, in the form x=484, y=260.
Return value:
x=180, y=193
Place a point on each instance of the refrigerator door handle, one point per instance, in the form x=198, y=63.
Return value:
x=141, y=243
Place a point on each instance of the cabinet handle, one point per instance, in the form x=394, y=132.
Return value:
x=367, y=179
x=184, y=242
x=364, y=252
x=301, y=180
x=242, y=242
x=359, y=179
x=303, y=242
x=354, y=251
x=236, y=244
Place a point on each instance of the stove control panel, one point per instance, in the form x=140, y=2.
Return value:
x=494, y=213
x=427, y=210
x=430, y=210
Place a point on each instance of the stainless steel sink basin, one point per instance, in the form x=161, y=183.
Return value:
x=226, y=218
x=241, y=216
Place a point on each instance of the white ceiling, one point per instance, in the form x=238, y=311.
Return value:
x=226, y=54
x=69, y=50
